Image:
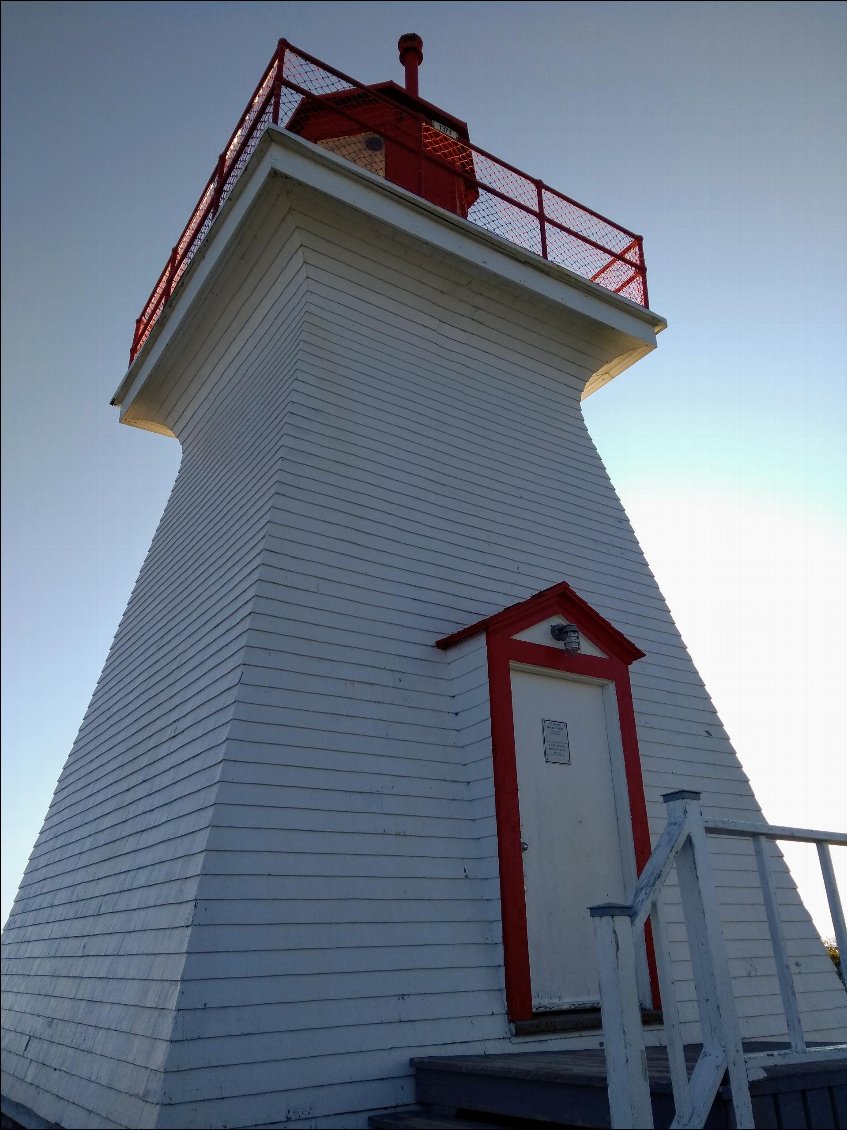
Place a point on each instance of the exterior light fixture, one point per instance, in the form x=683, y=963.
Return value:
x=566, y=634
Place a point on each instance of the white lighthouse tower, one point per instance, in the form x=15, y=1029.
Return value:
x=396, y=696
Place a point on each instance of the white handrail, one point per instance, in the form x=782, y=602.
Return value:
x=683, y=845
x=822, y=840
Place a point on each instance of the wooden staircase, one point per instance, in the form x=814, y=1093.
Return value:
x=723, y=1082
x=568, y=1088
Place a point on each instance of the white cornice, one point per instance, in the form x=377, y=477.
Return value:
x=282, y=154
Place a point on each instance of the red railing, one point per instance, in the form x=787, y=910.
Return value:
x=509, y=203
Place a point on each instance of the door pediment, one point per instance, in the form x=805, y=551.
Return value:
x=531, y=619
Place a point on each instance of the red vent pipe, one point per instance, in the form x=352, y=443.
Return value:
x=411, y=56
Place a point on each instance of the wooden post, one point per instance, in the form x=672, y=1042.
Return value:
x=626, y=1060
x=780, y=953
x=670, y=1018
x=835, y=908
x=722, y=1048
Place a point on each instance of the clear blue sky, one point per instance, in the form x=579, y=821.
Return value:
x=715, y=129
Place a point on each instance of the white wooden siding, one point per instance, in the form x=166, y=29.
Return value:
x=95, y=947
x=379, y=448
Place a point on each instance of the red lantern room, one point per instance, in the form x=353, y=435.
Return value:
x=396, y=134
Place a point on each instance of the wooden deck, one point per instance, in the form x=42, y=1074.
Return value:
x=566, y=1089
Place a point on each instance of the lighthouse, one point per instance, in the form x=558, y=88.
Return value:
x=396, y=696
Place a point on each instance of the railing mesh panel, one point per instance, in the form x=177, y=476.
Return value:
x=492, y=194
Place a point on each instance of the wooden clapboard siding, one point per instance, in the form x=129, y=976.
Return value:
x=271, y=864
x=393, y=523
x=97, y=940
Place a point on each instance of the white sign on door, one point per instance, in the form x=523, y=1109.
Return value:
x=556, y=746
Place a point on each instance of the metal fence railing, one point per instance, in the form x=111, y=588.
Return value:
x=499, y=198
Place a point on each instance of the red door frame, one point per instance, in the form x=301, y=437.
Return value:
x=503, y=650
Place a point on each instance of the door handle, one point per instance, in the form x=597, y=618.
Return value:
x=524, y=845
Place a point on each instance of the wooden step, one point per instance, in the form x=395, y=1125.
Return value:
x=420, y=1120
x=569, y=1089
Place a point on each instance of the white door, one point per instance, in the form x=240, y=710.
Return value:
x=573, y=853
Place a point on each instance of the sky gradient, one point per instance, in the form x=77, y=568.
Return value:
x=715, y=130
